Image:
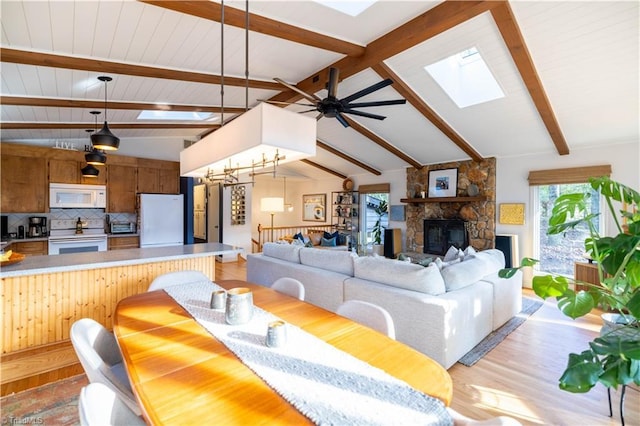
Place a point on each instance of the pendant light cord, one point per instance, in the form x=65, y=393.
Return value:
x=246, y=56
x=222, y=63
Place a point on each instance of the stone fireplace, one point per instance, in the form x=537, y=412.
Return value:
x=478, y=211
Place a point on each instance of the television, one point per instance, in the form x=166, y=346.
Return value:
x=440, y=234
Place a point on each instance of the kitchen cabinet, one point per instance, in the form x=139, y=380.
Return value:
x=121, y=243
x=30, y=248
x=24, y=184
x=169, y=180
x=121, y=189
x=148, y=180
x=70, y=171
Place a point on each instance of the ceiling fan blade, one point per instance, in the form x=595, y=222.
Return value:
x=363, y=114
x=332, y=85
x=342, y=120
x=308, y=110
x=376, y=103
x=319, y=116
x=366, y=91
x=283, y=103
x=312, y=98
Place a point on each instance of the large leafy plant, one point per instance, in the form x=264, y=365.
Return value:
x=613, y=358
x=381, y=210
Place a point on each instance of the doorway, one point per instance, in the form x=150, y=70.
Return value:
x=200, y=213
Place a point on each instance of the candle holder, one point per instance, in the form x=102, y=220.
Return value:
x=239, y=306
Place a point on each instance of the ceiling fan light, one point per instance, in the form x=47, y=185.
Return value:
x=90, y=171
x=95, y=157
x=104, y=139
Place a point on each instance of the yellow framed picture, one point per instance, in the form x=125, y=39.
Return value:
x=512, y=214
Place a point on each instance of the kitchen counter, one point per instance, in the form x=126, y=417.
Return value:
x=33, y=265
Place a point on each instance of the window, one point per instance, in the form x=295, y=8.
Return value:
x=369, y=202
x=558, y=253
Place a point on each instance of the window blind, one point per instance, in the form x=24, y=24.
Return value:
x=568, y=175
x=374, y=188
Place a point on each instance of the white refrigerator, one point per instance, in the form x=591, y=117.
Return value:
x=160, y=220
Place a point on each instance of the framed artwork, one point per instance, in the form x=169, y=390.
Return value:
x=397, y=213
x=314, y=207
x=512, y=214
x=443, y=183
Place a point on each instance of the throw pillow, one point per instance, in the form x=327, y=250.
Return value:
x=328, y=242
x=442, y=264
x=316, y=238
x=308, y=244
x=340, y=239
x=469, y=251
x=451, y=254
x=299, y=236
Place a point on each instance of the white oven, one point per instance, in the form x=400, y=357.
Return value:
x=63, y=238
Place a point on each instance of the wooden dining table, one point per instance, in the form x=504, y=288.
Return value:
x=181, y=374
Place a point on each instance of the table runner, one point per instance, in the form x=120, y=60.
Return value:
x=325, y=384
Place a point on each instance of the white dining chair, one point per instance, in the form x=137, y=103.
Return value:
x=461, y=420
x=98, y=405
x=175, y=278
x=290, y=286
x=368, y=314
x=101, y=360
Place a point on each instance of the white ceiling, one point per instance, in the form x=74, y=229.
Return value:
x=585, y=54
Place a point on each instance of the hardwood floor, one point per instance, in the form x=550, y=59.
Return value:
x=518, y=378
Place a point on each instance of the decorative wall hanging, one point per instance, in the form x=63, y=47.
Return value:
x=512, y=214
x=443, y=183
x=314, y=207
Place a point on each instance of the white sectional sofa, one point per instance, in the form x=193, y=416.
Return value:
x=442, y=313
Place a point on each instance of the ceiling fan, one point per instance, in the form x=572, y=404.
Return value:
x=331, y=106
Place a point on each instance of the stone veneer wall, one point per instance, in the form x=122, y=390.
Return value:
x=479, y=214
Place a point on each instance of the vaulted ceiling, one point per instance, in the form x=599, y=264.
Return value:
x=569, y=71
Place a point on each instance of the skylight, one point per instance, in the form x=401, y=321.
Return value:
x=466, y=78
x=175, y=115
x=352, y=8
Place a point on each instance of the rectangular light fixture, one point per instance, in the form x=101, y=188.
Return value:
x=258, y=134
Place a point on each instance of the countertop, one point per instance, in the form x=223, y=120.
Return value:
x=33, y=265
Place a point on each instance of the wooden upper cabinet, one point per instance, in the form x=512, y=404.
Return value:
x=121, y=189
x=148, y=180
x=169, y=180
x=24, y=184
x=70, y=171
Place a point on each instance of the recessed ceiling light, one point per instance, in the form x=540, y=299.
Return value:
x=352, y=8
x=466, y=78
x=175, y=115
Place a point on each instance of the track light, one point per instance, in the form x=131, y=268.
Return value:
x=104, y=139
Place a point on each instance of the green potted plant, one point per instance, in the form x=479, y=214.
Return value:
x=380, y=210
x=613, y=358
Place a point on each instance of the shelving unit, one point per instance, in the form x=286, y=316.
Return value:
x=444, y=199
x=345, y=213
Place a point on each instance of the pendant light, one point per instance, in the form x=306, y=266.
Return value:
x=95, y=156
x=89, y=171
x=104, y=139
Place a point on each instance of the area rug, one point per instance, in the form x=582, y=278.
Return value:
x=529, y=306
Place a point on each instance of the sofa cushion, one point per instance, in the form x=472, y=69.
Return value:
x=331, y=260
x=328, y=242
x=341, y=239
x=288, y=252
x=316, y=237
x=493, y=260
x=399, y=274
x=462, y=274
x=452, y=254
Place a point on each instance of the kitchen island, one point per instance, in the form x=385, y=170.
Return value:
x=43, y=295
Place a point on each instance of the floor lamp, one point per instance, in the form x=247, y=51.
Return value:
x=272, y=205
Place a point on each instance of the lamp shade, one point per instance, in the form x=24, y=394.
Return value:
x=95, y=157
x=104, y=139
x=258, y=134
x=90, y=171
x=272, y=204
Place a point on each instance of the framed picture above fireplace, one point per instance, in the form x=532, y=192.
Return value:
x=443, y=183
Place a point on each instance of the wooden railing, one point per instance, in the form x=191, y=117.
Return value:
x=279, y=232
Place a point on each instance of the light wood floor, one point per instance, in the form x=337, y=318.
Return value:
x=518, y=378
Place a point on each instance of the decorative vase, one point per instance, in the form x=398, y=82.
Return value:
x=378, y=249
x=473, y=190
x=239, y=306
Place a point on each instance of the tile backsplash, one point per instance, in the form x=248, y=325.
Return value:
x=14, y=220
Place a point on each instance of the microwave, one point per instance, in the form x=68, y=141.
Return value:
x=73, y=196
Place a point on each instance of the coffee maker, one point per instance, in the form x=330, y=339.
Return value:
x=37, y=227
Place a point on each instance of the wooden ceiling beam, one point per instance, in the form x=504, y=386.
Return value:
x=508, y=27
x=418, y=103
x=235, y=17
x=39, y=126
x=99, y=105
x=323, y=168
x=348, y=158
x=423, y=27
x=108, y=67
x=381, y=142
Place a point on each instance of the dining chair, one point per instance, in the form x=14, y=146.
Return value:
x=177, y=277
x=101, y=360
x=98, y=405
x=368, y=314
x=290, y=286
x=461, y=420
